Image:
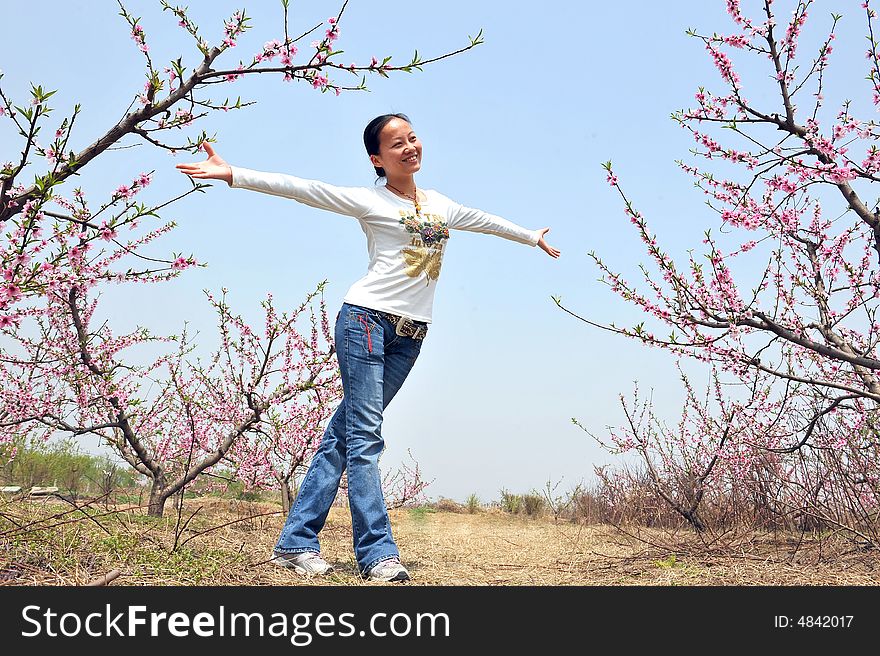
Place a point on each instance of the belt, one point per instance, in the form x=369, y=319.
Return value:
x=406, y=327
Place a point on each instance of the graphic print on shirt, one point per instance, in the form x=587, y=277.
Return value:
x=426, y=252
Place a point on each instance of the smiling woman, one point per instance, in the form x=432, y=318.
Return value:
x=401, y=145
x=379, y=330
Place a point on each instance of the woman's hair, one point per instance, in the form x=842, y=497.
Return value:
x=371, y=135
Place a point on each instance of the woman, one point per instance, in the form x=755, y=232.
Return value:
x=378, y=332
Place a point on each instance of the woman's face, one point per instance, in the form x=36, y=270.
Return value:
x=400, y=151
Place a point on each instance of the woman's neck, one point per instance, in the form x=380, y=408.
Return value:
x=406, y=184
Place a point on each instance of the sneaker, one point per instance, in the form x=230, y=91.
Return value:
x=307, y=563
x=389, y=569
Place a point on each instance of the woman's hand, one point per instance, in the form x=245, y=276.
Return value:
x=213, y=168
x=547, y=248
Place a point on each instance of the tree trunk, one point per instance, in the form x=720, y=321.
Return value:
x=288, y=495
x=694, y=520
x=157, y=497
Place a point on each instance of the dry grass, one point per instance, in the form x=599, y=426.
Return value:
x=229, y=543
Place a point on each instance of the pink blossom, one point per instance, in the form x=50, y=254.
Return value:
x=724, y=65
x=137, y=33
x=184, y=117
x=232, y=76
x=271, y=49
x=872, y=163
x=734, y=10
x=12, y=292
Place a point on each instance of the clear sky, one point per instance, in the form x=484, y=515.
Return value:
x=518, y=127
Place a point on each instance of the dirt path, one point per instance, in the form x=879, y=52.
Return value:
x=439, y=548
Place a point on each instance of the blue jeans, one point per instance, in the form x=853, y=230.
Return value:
x=374, y=361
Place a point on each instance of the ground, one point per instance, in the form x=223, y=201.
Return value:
x=230, y=543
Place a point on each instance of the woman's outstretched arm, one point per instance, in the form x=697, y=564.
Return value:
x=473, y=220
x=351, y=201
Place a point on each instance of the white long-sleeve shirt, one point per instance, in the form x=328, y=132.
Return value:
x=406, y=250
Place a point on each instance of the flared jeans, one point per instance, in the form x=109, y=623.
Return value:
x=374, y=361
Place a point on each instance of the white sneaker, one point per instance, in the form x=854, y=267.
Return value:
x=307, y=563
x=389, y=569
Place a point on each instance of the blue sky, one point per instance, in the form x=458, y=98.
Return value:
x=518, y=126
